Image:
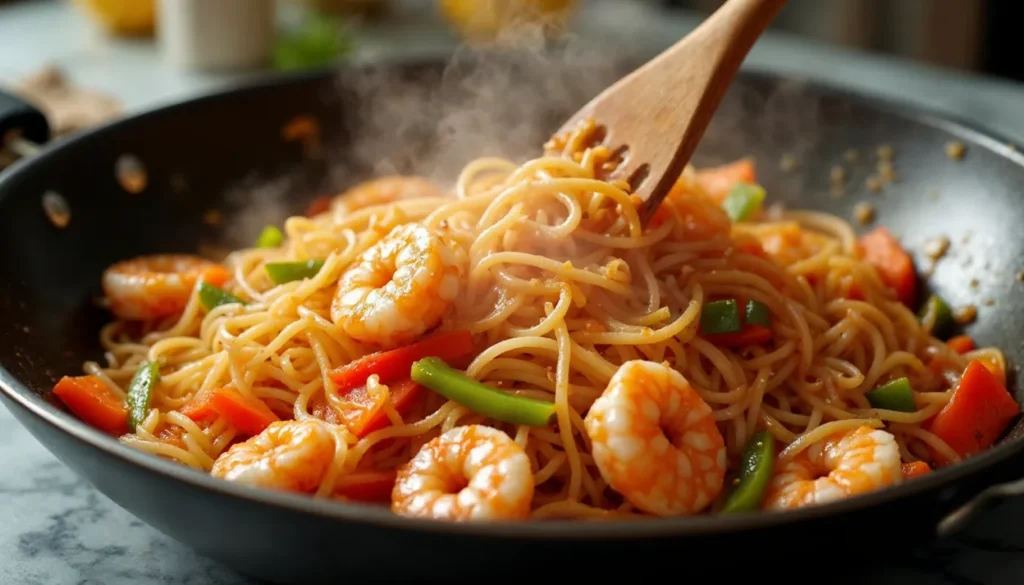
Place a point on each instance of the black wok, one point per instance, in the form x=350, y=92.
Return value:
x=226, y=152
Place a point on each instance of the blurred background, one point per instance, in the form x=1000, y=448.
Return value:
x=84, y=61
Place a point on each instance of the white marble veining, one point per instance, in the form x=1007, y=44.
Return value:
x=56, y=529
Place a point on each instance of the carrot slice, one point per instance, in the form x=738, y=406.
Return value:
x=318, y=206
x=248, y=415
x=200, y=408
x=961, y=344
x=368, y=486
x=396, y=364
x=91, y=400
x=894, y=266
x=216, y=275
x=366, y=412
x=716, y=182
x=915, y=469
x=750, y=335
x=172, y=435
x=979, y=412
x=319, y=408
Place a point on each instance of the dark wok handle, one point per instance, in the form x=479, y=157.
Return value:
x=18, y=116
x=959, y=518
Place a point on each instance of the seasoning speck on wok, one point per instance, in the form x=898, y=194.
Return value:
x=521, y=346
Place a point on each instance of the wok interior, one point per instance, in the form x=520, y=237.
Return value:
x=228, y=154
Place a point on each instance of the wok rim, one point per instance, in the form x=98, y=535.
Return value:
x=23, y=397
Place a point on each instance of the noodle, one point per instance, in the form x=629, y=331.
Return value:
x=564, y=285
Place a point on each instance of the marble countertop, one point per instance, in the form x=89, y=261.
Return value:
x=58, y=530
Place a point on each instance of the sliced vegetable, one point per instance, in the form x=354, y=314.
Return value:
x=91, y=400
x=915, y=469
x=718, y=181
x=211, y=296
x=749, y=335
x=365, y=412
x=216, y=275
x=894, y=266
x=318, y=206
x=480, y=398
x=319, y=40
x=743, y=201
x=961, y=344
x=172, y=435
x=140, y=391
x=978, y=413
x=200, y=408
x=282, y=272
x=270, y=237
x=895, y=395
x=720, y=317
x=757, y=313
x=755, y=473
x=247, y=414
x=936, y=316
x=396, y=364
x=367, y=486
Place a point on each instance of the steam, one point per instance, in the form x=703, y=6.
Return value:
x=431, y=120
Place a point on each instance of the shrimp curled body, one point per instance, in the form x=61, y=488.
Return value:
x=287, y=455
x=399, y=288
x=494, y=470
x=857, y=462
x=156, y=286
x=655, y=440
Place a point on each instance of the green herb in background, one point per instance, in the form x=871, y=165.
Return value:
x=319, y=40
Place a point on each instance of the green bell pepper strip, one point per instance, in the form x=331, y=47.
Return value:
x=140, y=391
x=454, y=385
x=755, y=472
x=211, y=296
x=282, y=272
x=757, y=313
x=743, y=201
x=270, y=237
x=936, y=316
x=895, y=395
x=720, y=317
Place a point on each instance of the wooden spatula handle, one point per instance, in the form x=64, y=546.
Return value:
x=722, y=43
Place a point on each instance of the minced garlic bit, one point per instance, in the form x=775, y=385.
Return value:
x=936, y=248
x=864, y=212
x=837, y=175
x=955, y=149
x=886, y=172
x=974, y=283
x=56, y=209
x=989, y=302
x=874, y=184
x=965, y=315
x=212, y=217
x=884, y=152
x=787, y=163
x=851, y=155
x=965, y=238
x=1020, y=275
x=1011, y=146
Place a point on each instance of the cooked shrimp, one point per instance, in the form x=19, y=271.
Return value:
x=399, y=288
x=655, y=440
x=857, y=462
x=471, y=472
x=288, y=455
x=386, y=190
x=157, y=286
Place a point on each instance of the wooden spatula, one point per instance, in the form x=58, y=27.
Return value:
x=658, y=113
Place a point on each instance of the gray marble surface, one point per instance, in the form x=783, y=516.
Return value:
x=55, y=529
